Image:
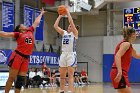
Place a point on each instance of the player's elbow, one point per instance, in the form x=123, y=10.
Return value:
x=137, y=56
x=55, y=26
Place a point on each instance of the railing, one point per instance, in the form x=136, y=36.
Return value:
x=91, y=59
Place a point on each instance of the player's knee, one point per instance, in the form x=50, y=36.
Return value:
x=62, y=78
x=20, y=81
x=70, y=75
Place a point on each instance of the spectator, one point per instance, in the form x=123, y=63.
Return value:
x=32, y=73
x=77, y=77
x=84, y=77
x=57, y=77
x=52, y=78
x=44, y=67
x=37, y=80
x=40, y=73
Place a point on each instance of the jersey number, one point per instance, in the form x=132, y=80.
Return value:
x=66, y=41
x=28, y=40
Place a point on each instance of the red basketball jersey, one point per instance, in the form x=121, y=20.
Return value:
x=25, y=41
x=83, y=73
x=125, y=59
x=44, y=67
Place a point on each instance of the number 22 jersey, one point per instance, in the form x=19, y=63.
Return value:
x=68, y=42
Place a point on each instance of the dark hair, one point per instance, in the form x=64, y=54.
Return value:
x=127, y=32
x=17, y=28
x=77, y=27
x=43, y=63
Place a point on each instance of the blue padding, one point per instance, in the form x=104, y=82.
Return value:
x=134, y=72
x=107, y=64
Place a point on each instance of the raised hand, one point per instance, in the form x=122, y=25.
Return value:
x=42, y=11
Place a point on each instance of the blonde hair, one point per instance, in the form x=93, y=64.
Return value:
x=127, y=32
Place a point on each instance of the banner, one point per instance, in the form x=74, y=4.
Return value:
x=49, y=58
x=40, y=27
x=8, y=16
x=37, y=58
x=28, y=15
x=4, y=56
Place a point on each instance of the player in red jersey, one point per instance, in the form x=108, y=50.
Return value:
x=19, y=59
x=122, y=58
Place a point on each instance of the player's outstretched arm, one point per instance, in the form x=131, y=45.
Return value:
x=135, y=55
x=6, y=34
x=74, y=30
x=37, y=20
x=56, y=26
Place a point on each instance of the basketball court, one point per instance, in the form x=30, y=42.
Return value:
x=96, y=88
x=100, y=23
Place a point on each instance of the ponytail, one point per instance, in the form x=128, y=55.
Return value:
x=127, y=31
x=77, y=27
x=17, y=28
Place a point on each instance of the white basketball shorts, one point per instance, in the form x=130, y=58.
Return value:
x=68, y=59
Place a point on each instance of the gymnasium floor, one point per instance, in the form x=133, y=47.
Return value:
x=95, y=88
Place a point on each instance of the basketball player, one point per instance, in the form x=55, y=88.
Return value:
x=122, y=58
x=19, y=59
x=68, y=60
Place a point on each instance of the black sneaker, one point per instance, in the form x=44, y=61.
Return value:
x=62, y=92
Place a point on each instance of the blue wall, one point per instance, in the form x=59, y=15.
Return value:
x=134, y=72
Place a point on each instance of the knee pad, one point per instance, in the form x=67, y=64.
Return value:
x=20, y=81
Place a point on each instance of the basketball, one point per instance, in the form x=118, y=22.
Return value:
x=62, y=10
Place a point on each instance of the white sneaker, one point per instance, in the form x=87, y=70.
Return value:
x=44, y=82
x=41, y=86
x=46, y=85
x=69, y=91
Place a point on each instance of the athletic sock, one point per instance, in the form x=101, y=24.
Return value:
x=62, y=91
x=70, y=92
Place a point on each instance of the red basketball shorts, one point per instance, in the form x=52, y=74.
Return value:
x=124, y=82
x=18, y=61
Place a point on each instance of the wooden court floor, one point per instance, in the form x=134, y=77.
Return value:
x=94, y=88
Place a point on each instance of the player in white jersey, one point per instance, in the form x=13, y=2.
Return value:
x=68, y=60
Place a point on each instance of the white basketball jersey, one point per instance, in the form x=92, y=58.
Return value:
x=68, y=42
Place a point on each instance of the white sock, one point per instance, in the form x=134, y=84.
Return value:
x=61, y=91
x=69, y=91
